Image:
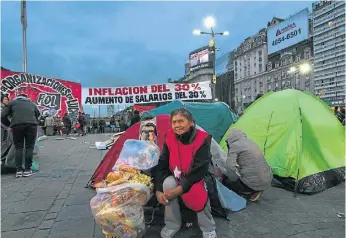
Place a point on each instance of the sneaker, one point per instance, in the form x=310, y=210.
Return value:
x=19, y=174
x=28, y=173
x=210, y=234
x=255, y=196
x=166, y=233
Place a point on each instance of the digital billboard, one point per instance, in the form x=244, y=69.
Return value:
x=199, y=58
x=289, y=32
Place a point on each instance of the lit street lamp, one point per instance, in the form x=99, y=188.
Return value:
x=302, y=69
x=210, y=23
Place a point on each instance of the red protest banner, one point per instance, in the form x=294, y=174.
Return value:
x=146, y=94
x=51, y=95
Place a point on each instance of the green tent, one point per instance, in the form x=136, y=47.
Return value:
x=303, y=142
x=215, y=118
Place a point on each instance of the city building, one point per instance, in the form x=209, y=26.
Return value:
x=224, y=70
x=250, y=60
x=329, y=51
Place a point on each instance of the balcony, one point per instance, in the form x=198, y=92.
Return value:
x=330, y=46
x=323, y=10
x=328, y=37
x=329, y=65
x=327, y=56
x=329, y=28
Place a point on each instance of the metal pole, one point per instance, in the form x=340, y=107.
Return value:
x=214, y=72
x=24, y=26
x=99, y=111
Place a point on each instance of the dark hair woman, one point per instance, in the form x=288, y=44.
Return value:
x=180, y=172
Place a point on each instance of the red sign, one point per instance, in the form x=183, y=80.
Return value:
x=53, y=96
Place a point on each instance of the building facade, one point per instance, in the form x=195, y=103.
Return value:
x=250, y=60
x=329, y=51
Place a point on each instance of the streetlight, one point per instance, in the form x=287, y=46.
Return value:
x=302, y=69
x=210, y=23
x=305, y=68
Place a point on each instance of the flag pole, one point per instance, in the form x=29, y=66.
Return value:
x=23, y=19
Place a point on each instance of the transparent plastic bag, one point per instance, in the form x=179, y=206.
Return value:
x=140, y=155
x=119, y=209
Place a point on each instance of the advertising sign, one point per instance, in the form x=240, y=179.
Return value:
x=289, y=32
x=53, y=96
x=146, y=94
x=199, y=58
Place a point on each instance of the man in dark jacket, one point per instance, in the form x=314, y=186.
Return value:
x=67, y=123
x=82, y=123
x=24, y=123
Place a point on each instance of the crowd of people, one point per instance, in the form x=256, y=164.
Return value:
x=83, y=124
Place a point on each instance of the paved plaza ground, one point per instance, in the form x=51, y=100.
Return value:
x=54, y=203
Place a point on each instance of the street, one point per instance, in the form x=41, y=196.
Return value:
x=55, y=203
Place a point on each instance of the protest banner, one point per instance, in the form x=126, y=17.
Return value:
x=53, y=96
x=147, y=94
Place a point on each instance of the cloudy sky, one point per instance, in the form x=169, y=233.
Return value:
x=125, y=43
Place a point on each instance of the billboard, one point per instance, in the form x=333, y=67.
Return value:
x=199, y=58
x=53, y=96
x=146, y=94
x=289, y=32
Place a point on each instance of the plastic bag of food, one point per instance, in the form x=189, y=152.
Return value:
x=119, y=209
x=141, y=155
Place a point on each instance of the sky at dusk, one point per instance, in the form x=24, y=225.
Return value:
x=104, y=44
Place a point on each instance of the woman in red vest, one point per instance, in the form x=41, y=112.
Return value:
x=183, y=164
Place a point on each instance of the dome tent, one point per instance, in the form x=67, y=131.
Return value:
x=302, y=140
x=215, y=117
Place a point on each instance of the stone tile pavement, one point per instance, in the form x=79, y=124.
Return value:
x=54, y=203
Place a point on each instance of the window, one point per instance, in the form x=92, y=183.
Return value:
x=260, y=67
x=269, y=65
x=277, y=65
x=283, y=62
x=297, y=58
x=307, y=53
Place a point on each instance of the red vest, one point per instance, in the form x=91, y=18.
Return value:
x=181, y=159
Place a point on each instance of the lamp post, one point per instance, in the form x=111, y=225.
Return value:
x=94, y=107
x=243, y=103
x=210, y=23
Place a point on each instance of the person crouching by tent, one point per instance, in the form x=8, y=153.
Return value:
x=248, y=173
x=182, y=166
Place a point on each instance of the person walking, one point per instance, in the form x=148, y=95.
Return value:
x=67, y=124
x=102, y=124
x=24, y=114
x=82, y=122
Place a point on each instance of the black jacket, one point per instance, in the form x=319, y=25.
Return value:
x=135, y=118
x=199, y=167
x=66, y=120
x=22, y=111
